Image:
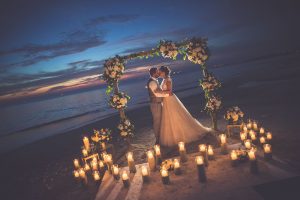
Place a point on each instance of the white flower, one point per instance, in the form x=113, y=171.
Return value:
x=113, y=74
x=123, y=100
x=127, y=122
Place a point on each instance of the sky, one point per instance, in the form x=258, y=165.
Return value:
x=55, y=46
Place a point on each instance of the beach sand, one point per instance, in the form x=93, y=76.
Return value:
x=43, y=170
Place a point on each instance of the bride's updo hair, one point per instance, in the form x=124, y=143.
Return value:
x=166, y=70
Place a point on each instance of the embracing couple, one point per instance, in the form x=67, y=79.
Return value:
x=172, y=123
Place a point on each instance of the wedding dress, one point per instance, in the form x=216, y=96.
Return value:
x=177, y=124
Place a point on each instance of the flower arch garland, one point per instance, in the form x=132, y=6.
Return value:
x=194, y=50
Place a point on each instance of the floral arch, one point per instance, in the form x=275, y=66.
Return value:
x=195, y=50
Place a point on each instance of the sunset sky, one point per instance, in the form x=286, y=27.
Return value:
x=49, y=46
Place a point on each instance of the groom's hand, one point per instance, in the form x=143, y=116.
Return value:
x=171, y=93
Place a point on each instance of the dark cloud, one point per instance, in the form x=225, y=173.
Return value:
x=82, y=64
x=74, y=42
x=120, y=18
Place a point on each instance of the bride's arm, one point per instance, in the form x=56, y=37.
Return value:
x=169, y=86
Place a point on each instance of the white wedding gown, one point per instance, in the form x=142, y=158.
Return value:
x=177, y=123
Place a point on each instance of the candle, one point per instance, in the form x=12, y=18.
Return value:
x=76, y=174
x=248, y=144
x=115, y=171
x=157, y=154
x=255, y=126
x=182, y=152
x=109, y=162
x=261, y=131
x=210, y=152
x=94, y=165
x=249, y=125
x=84, y=152
x=269, y=136
x=223, y=144
x=151, y=161
x=201, y=169
x=76, y=163
x=145, y=173
x=125, y=179
x=243, y=136
x=234, y=158
x=245, y=129
x=82, y=175
x=165, y=176
x=252, y=136
x=101, y=165
x=130, y=162
x=86, y=143
x=203, y=152
x=267, y=151
x=177, y=169
x=253, y=161
x=262, y=140
x=86, y=167
x=96, y=176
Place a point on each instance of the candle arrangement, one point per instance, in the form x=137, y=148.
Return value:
x=131, y=163
x=182, y=152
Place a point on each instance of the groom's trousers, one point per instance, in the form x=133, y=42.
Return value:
x=156, y=109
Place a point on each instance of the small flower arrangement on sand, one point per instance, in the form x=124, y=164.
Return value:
x=233, y=114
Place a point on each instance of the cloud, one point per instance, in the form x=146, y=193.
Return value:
x=73, y=42
x=120, y=18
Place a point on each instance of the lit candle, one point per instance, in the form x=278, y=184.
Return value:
x=177, y=169
x=249, y=125
x=145, y=173
x=253, y=161
x=157, y=154
x=201, y=168
x=76, y=163
x=101, y=166
x=203, y=152
x=115, y=171
x=182, y=152
x=96, y=176
x=76, y=174
x=248, y=144
x=94, y=165
x=84, y=152
x=223, y=144
x=243, y=136
x=151, y=161
x=131, y=163
x=267, y=151
x=234, y=158
x=86, y=143
x=165, y=176
x=210, y=152
x=255, y=126
x=109, y=162
x=252, y=135
x=261, y=131
x=82, y=175
x=245, y=129
x=269, y=136
x=86, y=167
x=125, y=179
x=262, y=140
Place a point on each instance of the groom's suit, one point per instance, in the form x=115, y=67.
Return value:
x=156, y=97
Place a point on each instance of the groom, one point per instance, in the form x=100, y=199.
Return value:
x=156, y=95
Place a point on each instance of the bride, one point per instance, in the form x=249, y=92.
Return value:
x=177, y=124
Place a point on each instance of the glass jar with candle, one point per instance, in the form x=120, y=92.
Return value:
x=177, y=169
